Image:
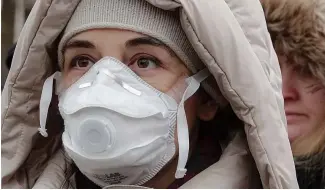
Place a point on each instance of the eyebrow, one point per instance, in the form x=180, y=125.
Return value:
x=131, y=43
x=78, y=44
x=149, y=41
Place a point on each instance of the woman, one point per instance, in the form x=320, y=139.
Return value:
x=129, y=97
x=297, y=29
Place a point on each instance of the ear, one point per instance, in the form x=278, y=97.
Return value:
x=207, y=110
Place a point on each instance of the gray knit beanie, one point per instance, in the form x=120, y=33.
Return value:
x=138, y=16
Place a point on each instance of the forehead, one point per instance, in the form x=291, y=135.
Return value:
x=114, y=38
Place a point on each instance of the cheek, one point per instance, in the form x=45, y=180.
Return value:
x=320, y=110
x=315, y=108
x=71, y=77
x=162, y=81
x=316, y=104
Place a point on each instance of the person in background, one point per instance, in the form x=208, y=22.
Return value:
x=297, y=29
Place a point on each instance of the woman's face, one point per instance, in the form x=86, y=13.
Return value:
x=154, y=62
x=304, y=102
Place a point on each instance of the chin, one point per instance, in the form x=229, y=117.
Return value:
x=293, y=132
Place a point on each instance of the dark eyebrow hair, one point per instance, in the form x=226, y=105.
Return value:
x=149, y=41
x=78, y=44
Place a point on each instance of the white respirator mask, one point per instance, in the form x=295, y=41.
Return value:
x=119, y=130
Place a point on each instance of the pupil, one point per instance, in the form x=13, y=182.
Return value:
x=83, y=63
x=143, y=63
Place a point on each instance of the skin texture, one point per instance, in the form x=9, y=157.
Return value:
x=304, y=100
x=154, y=62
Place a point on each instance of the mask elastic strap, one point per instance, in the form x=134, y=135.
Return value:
x=45, y=101
x=182, y=127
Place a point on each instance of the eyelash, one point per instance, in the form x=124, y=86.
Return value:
x=74, y=60
x=139, y=56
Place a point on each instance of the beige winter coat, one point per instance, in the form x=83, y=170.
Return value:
x=231, y=38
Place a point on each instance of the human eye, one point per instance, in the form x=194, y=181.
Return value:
x=81, y=62
x=144, y=62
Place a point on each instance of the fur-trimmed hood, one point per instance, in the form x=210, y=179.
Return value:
x=297, y=29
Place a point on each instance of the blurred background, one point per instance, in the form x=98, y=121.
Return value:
x=13, y=16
